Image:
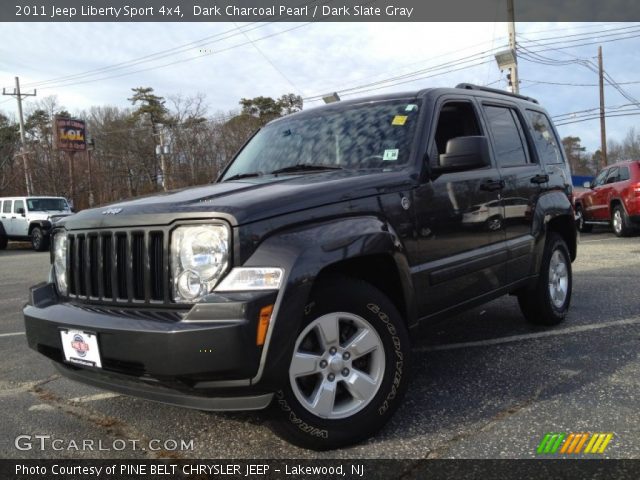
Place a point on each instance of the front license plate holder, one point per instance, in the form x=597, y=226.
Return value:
x=80, y=347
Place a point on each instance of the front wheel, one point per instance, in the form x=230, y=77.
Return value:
x=582, y=226
x=548, y=302
x=348, y=369
x=38, y=240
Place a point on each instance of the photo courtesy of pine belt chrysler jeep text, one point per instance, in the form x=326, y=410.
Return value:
x=294, y=281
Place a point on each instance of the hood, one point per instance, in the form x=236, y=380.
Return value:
x=243, y=201
x=48, y=214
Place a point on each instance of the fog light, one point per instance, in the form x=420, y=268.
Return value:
x=189, y=284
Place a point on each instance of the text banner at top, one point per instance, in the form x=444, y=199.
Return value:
x=317, y=10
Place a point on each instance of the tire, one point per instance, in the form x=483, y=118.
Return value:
x=582, y=226
x=537, y=304
x=620, y=222
x=494, y=223
x=3, y=242
x=39, y=241
x=326, y=401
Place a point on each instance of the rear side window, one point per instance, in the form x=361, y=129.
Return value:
x=508, y=141
x=624, y=173
x=6, y=208
x=17, y=205
x=544, y=138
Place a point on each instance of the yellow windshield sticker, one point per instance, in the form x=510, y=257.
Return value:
x=399, y=120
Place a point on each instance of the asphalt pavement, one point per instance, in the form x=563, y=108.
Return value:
x=485, y=384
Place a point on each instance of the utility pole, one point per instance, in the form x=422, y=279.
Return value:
x=72, y=188
x=23, y=147
x=603, y=130
x=515, y=82
x=90, y=146
x=162, y=150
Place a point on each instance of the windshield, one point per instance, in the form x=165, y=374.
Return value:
x=47, y=204
x=373, y=135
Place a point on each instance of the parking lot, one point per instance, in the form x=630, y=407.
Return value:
x=485, y=384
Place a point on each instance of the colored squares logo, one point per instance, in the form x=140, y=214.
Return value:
x=574, y=443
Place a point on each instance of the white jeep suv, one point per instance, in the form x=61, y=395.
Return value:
x=30, y=219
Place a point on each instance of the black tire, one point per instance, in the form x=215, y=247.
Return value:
x=536, y=303
x=3, y=242
x=582, y=226
x=39, y=241
x=620, y=222
x=354, y=298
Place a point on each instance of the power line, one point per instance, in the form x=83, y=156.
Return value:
x=618, y=29
x=177, y=61
x=144, y=59
x=165, y=53
x=569, y=84
x=418, y=74
x=264, y=55
x=597, y=117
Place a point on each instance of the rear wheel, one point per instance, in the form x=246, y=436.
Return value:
x=548, y=302
x=620, y=222
x=38, y=240
x=3, y=241
x=348, y=370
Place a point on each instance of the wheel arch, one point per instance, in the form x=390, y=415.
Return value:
x=554, y=213
x=617, y=201
x=45, y=225
x=354, y=247
x=564, y=226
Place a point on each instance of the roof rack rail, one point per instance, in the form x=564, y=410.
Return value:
x=471, y=86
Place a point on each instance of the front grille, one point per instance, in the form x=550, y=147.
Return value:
x=118, y=266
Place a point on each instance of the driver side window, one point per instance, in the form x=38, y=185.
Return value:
x=599, y=180
x=456, y=119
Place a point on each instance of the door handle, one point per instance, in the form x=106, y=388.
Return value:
x=543, y=178
x=492, y=185
x=13, y=217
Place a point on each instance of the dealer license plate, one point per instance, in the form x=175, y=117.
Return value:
x=81, y=348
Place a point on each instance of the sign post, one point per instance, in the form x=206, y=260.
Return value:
x=70, y=137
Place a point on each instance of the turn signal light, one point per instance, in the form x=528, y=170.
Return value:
x=263, y=324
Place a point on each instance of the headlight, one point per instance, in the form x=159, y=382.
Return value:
x=199, y=257
x=60, y=261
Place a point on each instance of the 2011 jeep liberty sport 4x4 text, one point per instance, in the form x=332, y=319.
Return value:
x=295, y=279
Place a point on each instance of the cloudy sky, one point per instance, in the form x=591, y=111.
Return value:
x=98, y=63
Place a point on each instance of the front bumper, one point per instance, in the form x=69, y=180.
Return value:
x=201, y=358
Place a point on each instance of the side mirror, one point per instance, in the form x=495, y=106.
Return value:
x=464, y=153
x=21, y=211
x=586, y=184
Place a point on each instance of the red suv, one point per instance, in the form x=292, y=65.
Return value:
x=613, y=199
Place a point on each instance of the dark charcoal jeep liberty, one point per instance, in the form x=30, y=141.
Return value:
x=295, y=279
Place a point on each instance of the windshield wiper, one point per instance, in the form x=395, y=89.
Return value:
x=305, y=167
x=243, y=175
